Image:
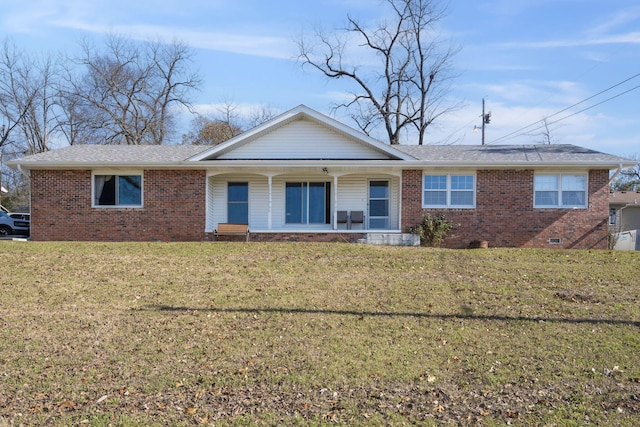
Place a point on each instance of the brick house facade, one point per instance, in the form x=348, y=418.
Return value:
x=505, y=217
x=174, y=208
x=290, y=179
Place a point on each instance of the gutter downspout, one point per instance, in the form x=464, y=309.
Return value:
x=617, y=172
x=26, y=173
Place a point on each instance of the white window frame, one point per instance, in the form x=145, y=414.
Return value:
x=116, y=173
x=229, y=219
x=449, y=190
x=371, y=219
x=306, y=184
x=559, y=190
x=613, y=216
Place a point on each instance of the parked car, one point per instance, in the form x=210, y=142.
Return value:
x=18, y=214
x=13, y=226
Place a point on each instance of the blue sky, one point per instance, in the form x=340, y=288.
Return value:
x=529, y=59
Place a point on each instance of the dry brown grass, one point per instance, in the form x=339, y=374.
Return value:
x=312, y=334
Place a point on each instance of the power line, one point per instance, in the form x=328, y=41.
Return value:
x=581, y=111
x=595, y=105
x=519, y=131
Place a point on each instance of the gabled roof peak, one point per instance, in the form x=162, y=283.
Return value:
x=301, y=112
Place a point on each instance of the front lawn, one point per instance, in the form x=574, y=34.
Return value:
x=316, y=334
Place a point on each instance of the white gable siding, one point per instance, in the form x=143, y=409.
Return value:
x=303, y=139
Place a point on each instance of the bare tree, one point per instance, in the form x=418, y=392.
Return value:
x=28, y=107
x=127, y=94
x=26, y=100
x=210, y=131
x=227, y=123
x=216, y=129
x=73, y=118
x=629, y=179
x=406, y=93
x=10, y=90
x=260, y=115
x=545, y=135
x=40, y=123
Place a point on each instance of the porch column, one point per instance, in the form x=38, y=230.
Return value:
x=335, y=204
x=270, y=180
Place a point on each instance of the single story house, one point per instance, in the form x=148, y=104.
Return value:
x=304, y=176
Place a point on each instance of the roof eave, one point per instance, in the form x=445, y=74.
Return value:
x=207, y=164
x=101, y=165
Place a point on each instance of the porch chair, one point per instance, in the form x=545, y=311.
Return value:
x=357, y=217
x=342, y=218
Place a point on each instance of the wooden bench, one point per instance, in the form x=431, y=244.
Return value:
x=232, y=230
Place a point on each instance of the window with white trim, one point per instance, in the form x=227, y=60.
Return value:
x=448, y=191
x=117, y=190
x=307, y=202
x=238, y=202
x=560, y=191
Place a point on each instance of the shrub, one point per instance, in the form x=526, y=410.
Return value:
x=433, y=229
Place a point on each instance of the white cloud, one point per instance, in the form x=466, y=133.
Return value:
x=627, y=38
x=262, y=46
x=619, y=18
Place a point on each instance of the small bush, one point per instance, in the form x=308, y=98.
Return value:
x=433, y=230
x=612, y=238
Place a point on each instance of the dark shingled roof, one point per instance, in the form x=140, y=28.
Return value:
x=117, y=154
x=540, y=153
x=444, y=155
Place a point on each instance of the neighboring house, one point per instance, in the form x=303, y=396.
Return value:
x=624, y=210
x=306, y=177
x=624, y=219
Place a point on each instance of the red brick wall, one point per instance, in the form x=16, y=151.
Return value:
x=174, y=208
x=504, y=214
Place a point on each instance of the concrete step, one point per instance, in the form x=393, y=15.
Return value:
x=395, y=239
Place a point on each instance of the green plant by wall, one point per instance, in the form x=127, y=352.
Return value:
x=433, y=229
x=612, y=238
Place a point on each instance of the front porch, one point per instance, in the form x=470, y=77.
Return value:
x=287, y=205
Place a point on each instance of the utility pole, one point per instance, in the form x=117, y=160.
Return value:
x=486, y=119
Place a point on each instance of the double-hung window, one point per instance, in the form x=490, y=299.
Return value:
x=448, y=191
x=560, y=191
x=238, y=202
x=307, y=202
x=117, y=190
